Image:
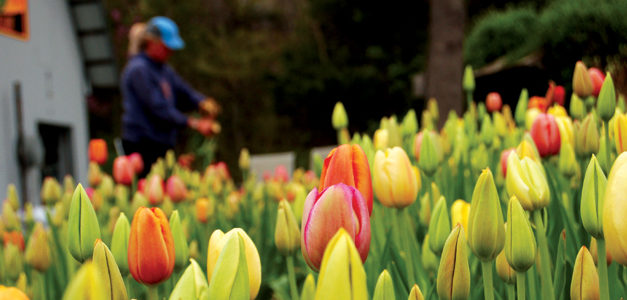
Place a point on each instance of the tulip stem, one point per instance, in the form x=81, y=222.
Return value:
x=404, y=247
x=608, y=163
x=520, y=285
x=153, y=292
x=292, y=276
x=602, y=266
x=545, y=260
x=511, y=292
x=488, y=290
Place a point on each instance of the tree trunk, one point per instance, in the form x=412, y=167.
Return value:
x=445, y=64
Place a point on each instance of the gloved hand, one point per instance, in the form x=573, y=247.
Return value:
x=209, y=107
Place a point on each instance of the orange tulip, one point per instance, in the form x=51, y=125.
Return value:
x=12, y=293
x=203, y=210
x=15, y=238
x=348, y=164
x=150, y=246
x=123, y=170
x=98, y=151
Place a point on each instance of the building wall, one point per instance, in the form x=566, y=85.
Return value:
x=49, y=68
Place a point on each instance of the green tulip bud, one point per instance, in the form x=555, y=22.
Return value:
x=13, y=261
x=12, y=197
x=429, y=159
x=181, y=250
x=585, y=281
x=415, y=293
x=107, y=187
x=192, y=284
x=567, y=162
x=434, y=111
x=121, y=194
x=520, y=243
x=577, y=107
x=170, y=160
x=621, y=103
x=453, y=280
x=50, y=191
x=469, y=79
x=439, y=226
x=479, y=157
x=9, y=217
x=110, y=276
x=587, y=136
x=606, y=103
x=339, y=119
x=592, y=198
x=286, y=233
x=428, y=258
x=486, y=235
x=86, y=284
x=83, y=227
x=409, y=126
x=487, y=130
x=139, y=200
x=521, y=108
x=309, y=288
x=119, y=243
x=384, y=288
x=229, y=279
x=37, y=250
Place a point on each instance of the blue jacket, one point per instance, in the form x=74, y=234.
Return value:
x=152, y=92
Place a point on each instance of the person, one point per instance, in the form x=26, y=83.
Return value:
x=154, y=94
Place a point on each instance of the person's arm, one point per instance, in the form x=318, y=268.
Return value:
x=182, y=88
x=151, y=96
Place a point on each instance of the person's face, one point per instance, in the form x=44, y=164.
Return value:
x=157, y=50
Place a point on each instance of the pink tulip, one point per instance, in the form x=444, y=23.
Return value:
x=137, y=162
x=154, y=190
x=338, y=206
x=597, y=80
x=123, y=171
x=281, y=174
x=176, y=189
x=546, y=135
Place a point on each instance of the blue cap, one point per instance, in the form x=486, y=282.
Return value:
x=167, y=30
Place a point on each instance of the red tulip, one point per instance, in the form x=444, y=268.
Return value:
x=597, y=80
x=504, y=156
x=348, y=164
x=150, y=246
x=493, y=102
x=14, y=237
x=154, y=190
x=137, y=162
x=141, y=184
x=175, y=188
x=546, y=135
x=538, y=102
x=98, y=151
x=338, y=206
x=123, y=170
x=555, y=94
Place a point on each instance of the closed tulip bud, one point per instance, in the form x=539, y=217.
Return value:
x=606, y=103
x=233, y=266
x=94, y=175
x=415, y=293
x=621, y=103
x=493, y=102
x=137, y=162
x=428, y=258
x=597, y=78
x=487, y=131
x=339, y=117
x=9, y=217
x=546, y=135
x=176, y=189
x=469, y=79
x=338, y=206
x=453, y=280
x=521, y=108
x=150, y=247
x=309, y=288
x=381, y=139
x=342, y=275
x=526, y=180
x=520, y=243
x=409, y=126
x=154, y=190
x=614, y=210
x=204, y=210
x=193, y=250
x=620, y=132
x=592, y=198
x=86, y=284
x=107, y=187
x=395, y=181
x=98, y=151
x=244, y=159
x=479, y=157
x=192, y=285
x=459, y=213
x=527, y=148
x=439, y=227
x=12, y=293
x=50, y=191
x=139, y=200
x=587, y=137
x=567, y=161
x=384, y=288
x=123, y=171
x=13, y=261
x=585, y=281
x=38, y=250
x=582, y=84
x=14, y=237
x=83, y=227
x=504, y=270
x=565, y=127
x=110, y=276
x=577, y=107
x=181, y=251
x=428, y=159
x=348, y=164
x=119, y=243
x=486, y=234
x=286, y=233
x=594, y=253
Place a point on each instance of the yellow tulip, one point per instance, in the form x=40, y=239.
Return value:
x=615, y=209
x=396, y=182
x=620, y=132
x=459, y=213
x=585, y=281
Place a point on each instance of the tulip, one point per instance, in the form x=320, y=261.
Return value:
x=14, y=237
x=175, y=188
x=521, y=107
x=150, y=246
x=12, y=293
x=493, y=102
x=110, y=276
x=620, y=132
x=137, y=162
x=432, y=107
x=546, y=135
x=427, y=153
x=123, y=171
x=50, y=191
x=119, y=242
x=286, y=233
x=395, y=181
x=83, y=227
x=577, y=107
x=459, y=213
x=592, y=199
x=181, y=250
x=585, y=281
x=154, y=190
x=107, y=187
x=594, y=253
x=338, y=206
x=582, y=83
x=504, y=156
x=348, y=164
x=339, y=117
x=530, y=116
x=587, y=137
x=485, y=222
x=192, y=284
x=565, y=127
x=453, y=280
x=309, y=288
x=86, y=284
x=409, y=126
x=381, y=139
x=415, y=293
x=504, y=270
x=597, y=77
x=520, y=243
x=469, y=79
x=606, y=103
x=384, y=289
x=342, y=275
x=204, y=210
x=567, y=162
x=538, y=103
x=9, y=217
x=244, y=159
x=38, y=251
x=439, y=226
x=428, y=258
x=13, y=261
x=232, y=260
x=614, y=210
x=98, y=151
x=526, y=180
x=94, y=175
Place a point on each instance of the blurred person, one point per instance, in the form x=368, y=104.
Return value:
x=154, y=94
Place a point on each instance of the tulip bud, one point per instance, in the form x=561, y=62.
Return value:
x=98, y=151
x=526, y=180
x=86, y=284
x=521, y=108
x=342, y=275
x=14, y=237
x=453, y=280
x=139, y=200
x=286, y=233
x=546, y=135
x=38, y=250
x=493, y=102
x=94, y=175
x=150, y=246
x=485, y=222
x=192, y=284
x=585, y=282
x=594, y=253
x=176, y=189
x=527, y=148
x=520, y=243
x=504, y=270
x=567, y=162
x=395, y=182
x=582, y=84
x=233, y=265
x=107, y=187
x=110, y=276
x=384, y=288
x=428, y=159
x=409, y=127
x=439, y=227
x=577, y=107
x=154, y=190
x=83, y=227
x=12, y=293
x=428, y=258
x=136, y=162
x=204, y=210
x=606, y=103
x=381, y=139
x=587, y=137
x=123, y=171
x=621, y=103
x=309, y=288
x=415, y=293
x=9, y=217
x=565, y=126
x=119, y=243
x=181, y=251
x=469, y=79
x=244, y=159
x=13, y=262
x=615, y=209
x=620, y=132
x=592, y=198
x=50, y=191
x=487, y=131
x=459, y=213
x=339, y=117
